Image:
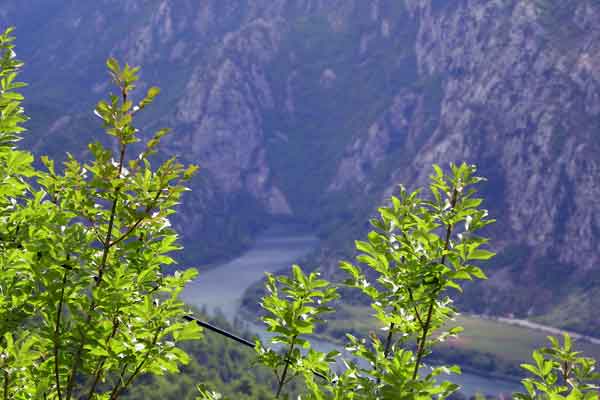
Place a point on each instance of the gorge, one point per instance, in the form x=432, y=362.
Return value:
x=315, y=110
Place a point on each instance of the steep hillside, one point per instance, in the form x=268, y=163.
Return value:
x=316, y=109
x=183, y=47
x=518, y=96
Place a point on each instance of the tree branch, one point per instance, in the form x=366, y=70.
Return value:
x=285, y=368
x=102, y=266
x=57, y=336
x=6, y=382
x=421, y=344
x=118, y=390
x=98, y=373
x=140, y=220
x=414, y=303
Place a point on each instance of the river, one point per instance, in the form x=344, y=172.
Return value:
x=221, y=288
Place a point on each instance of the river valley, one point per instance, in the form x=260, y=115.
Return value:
x=220, y=290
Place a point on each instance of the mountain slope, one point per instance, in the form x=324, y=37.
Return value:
x=519, y=97
x=316, y=109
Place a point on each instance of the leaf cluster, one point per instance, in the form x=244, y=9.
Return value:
x=560, y=373
x=294, y=306
x=86, y=307
x=420, y=248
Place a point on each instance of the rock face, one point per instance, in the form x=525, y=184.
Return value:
x=519, y=97
x=316, y=109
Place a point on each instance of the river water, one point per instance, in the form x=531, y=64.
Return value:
x=220, y=289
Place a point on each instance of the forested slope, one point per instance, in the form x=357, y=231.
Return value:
x=316, y=109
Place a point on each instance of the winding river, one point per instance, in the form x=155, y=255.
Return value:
x=220, y=289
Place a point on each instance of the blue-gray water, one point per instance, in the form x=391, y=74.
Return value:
x=221, y=289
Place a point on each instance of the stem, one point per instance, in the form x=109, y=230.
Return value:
x=98, y=373
x=6, y=377
x=118, y=389
x=421, y=345
x=93, y=225
x=417, y=314
x=57, y=336
x=386, y=351
x=111, y=221
x=97, y=376
x=140, y=220
x=285, y=369
x=106, y=245
x=118, y=384
x=77, y=357
x=565, y=371
x=388, y=342
x=427, y=327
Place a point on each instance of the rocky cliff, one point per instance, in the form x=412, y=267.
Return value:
x=518, y=95
x=316, y=109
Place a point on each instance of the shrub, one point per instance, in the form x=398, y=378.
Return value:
x=85, y=307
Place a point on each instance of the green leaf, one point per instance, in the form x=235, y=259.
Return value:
x=481, y=255
x=113, y=65
x=153, y=92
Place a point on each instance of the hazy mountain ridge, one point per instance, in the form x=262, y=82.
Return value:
x=316, y=109
x=521, y=100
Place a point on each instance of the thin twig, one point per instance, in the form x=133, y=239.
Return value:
x=291, y=378
x=421, y=344
x=6, y=381
x=57, y=335
x=98, y=373
x=111, y=222
x=93, y=225
x=140, y=220
x=117, y=391
x=414, y=303
x=285, y=368
x=118, y=384
x=410, y=295
x=77, y=358
x=388, y=342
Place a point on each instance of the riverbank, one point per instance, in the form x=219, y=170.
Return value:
x=542, y=328
x=280, y=225
x=220, y=290
x=493, y=346
x=476, y=350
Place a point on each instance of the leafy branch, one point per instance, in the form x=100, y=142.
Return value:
x=291, y=318
x=109, y=312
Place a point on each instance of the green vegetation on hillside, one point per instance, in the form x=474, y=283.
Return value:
x=88, y=309
x=218, y=363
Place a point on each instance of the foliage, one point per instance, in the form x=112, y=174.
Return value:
x=418, y=250
x=86, y=308
x=215, y=361
x=292, y=317
x=560, y=373
x=422, y=247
